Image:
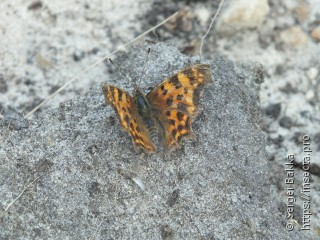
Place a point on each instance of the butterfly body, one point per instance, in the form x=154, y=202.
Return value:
x=171, y=106
x=143, y=108
x=146, y=113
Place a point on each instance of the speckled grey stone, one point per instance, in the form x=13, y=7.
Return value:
x=13, y=119
x=215, y=187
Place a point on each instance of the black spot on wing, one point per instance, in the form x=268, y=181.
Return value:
x=179, y=97
x=171, y=122
x=192, y=79
x=175, y=81
x=120, y=95
x=127, y=119
x=187, y=124
x=174, y=132
x=169, y=101
x=185, y=90
x=180, y=116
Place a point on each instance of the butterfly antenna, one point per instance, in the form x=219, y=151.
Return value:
x=144, y=67
x=119, y=70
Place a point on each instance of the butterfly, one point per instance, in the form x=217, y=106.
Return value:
x=172, y=105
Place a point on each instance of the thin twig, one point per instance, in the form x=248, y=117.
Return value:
x=95, y=64
x=212, y=21
x=16, y=199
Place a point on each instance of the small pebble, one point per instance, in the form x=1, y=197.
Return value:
x=77, y=55
x=294, y=37
x=273, y=110
x=315, y=34
x=310, y=94
x=312, y=73
x=286, y=122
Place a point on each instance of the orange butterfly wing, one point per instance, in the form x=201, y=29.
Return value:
x=176, y=102
x=123, y=105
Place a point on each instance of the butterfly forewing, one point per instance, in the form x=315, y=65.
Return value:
x=175, y=101
x=123, y=105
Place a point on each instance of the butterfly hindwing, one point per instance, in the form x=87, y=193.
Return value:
x=123, y=105
x=176, y=125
